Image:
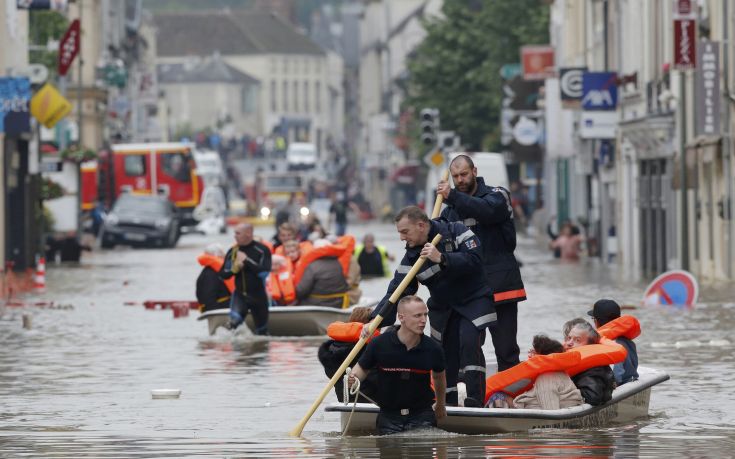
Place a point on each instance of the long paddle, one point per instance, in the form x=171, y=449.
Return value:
x=296, y=432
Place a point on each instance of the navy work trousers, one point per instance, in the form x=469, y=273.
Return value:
x=462, y=343
x=503, y=333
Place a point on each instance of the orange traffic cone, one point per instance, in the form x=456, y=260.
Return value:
x=39, y=283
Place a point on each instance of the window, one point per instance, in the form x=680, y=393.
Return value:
x=306, y=96
x=176, y=165
x=135, y=165
x=285, y=66
x=247, y=99
x=295, y=96
x=273, y=96
x=318, y=96
x=284, y=96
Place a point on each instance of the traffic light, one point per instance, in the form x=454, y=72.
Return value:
x=429, y=125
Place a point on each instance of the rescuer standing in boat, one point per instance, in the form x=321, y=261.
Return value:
x=487, y=211
x=460, y=307
x=249, y=261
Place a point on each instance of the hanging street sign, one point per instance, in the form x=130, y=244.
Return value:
x=69, y=47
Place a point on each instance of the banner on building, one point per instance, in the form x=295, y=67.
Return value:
x=570, y=83
x=685, y=51
x=48, y=106
x=599, y=91
x=15, y=94
x=598, y=125
x=537, y=62
x=707, y=89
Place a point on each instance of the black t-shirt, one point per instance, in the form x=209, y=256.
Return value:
x=371, y=264
x=404, y=377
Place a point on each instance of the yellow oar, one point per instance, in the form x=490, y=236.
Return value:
x=296, y=432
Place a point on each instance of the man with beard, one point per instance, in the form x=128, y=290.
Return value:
x=488, y=212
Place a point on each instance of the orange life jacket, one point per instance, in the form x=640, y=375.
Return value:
x=216, y=263
x=304, y=247
x=596, y=355
x=347, y=332
x=626, y=326
x=333, y=250
x=520, y=378
x=349, y=242
x=280, y=284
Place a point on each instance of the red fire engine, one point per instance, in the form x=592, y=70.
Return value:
x=144, y=168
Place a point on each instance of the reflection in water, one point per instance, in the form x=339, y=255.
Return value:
x=78, y=384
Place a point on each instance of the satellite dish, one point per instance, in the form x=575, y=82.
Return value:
x=37, y=73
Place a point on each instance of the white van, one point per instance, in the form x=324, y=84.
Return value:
x=301, y=155
x=490, y=166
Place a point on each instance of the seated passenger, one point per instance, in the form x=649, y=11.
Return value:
x=319, y=278
x=596, y=384
x=552, y=390
x=605, y=311
x=332, y=353
x=212, y=292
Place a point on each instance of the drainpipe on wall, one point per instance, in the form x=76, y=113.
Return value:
x=726, y=139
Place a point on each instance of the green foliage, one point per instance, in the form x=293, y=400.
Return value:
x=456, y=68
x=44, y=26
x=77, y=155
x=51, y=190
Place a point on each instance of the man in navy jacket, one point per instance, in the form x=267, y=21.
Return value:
x=460, y=307
x=488, y=212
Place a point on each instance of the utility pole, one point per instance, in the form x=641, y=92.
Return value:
x=79, y=125
x=683, y=172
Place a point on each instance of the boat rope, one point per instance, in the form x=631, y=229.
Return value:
x=354, y=390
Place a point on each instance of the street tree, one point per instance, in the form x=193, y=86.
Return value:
x=456, y=68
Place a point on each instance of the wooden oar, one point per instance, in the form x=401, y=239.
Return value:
x=296, y=432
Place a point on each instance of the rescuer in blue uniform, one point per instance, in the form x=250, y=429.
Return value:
x=460, y=307
x=487, y=211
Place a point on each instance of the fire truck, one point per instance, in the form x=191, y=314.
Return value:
x=144, y=168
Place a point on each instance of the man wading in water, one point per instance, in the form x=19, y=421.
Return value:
x=404, y=357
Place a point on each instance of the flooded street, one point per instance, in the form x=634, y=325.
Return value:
x=77, y=384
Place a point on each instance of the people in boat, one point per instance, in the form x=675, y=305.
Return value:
x=248, y=261
x=597, y=383
x=551, y=390
x=487, y=211
x=213, y=292
x=460, y=307
x=333, y=352
x=603, y=312
x=322, y=282
x=406, y=361
x=280, y=284
x=372, y=258
x=285, y=232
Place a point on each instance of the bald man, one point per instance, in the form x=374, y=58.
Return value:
x=250, y=262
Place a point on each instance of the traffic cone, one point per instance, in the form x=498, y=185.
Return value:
x=39, y=283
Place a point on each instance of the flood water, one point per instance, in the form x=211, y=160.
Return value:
x=77, y=384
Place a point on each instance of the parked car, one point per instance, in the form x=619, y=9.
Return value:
x=141, y=220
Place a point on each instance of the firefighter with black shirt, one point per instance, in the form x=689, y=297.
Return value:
x=487, y=211
x=250, y=262
x=404, y=359
x=460, y=307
